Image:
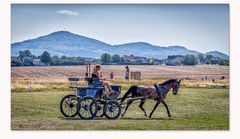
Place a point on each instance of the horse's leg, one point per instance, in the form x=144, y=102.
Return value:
x=141, y=106
x=128, y=104
x=156, y=105
x=165, y=104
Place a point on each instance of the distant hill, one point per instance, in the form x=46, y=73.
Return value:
x=218, y=54
x=69, y=44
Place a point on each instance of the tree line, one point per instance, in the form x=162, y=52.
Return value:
x=106, y=58
x=46, y=59
x=201, y=59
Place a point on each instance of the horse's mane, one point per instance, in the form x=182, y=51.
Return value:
x=168, y=81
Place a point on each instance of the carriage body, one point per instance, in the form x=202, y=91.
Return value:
x=93, y=92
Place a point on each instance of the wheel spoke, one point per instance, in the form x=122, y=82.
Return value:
x=83, y=112
x=67, y=111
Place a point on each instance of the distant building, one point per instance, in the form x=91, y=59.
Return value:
x=157, y=62
x=214, y=60
x=14, y=59
x=89, y=60
x=134, y=59
x=142, y=60
x=129, y=59
x=174, y=60
x=38, y=62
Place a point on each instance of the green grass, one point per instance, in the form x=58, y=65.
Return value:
x=192, y=109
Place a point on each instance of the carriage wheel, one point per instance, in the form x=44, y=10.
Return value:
x=68, y=105
x=112, y=109
x=87, y=108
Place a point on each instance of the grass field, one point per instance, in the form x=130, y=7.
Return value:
x=202, y=104
x=192, y=109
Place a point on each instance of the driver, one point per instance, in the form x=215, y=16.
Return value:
x=99, y=81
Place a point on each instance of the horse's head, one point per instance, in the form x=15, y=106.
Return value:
x=176, y=86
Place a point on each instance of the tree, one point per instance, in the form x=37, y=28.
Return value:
x=63, y=57
x=177, y=63
x=46, y=57
x=54, y=57
x=27, y=53
x=208, y=59
x=105, y=58
x=190, y=60
x=55, y=60
x=201, y=58
x=116, y=58
x=21, y=55
x=223, y=62
x=33, y=57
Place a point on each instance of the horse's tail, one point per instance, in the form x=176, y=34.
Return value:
x=132, y=89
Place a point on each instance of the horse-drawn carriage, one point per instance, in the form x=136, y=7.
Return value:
x=91, y=101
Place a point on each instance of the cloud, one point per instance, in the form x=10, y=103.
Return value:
x=67, y=13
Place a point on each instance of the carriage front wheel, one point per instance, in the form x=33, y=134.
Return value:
x=68, y=105
x=87, y=108
x=112, y=110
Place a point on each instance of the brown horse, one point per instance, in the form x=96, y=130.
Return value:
x=158, y=93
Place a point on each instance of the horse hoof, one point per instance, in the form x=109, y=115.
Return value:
x=169, y=116
x=122, y=115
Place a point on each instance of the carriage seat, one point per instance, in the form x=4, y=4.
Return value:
x=73, y=81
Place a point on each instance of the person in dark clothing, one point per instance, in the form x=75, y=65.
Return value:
x=100, y=81
x=127, y=73
x=111, y=75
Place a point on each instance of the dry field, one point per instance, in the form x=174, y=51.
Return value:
x=56, y=76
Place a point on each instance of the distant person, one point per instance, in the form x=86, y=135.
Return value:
x=99, y=80
x=111, y=75
x=86, y=75
x=127, y=73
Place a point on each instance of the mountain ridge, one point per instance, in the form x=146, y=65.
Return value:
x=71, y=44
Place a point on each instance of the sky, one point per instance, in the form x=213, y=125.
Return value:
x=198, y=27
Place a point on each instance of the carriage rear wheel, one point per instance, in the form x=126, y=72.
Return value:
x=112, y=110
x=68, y=105
x=87, y=108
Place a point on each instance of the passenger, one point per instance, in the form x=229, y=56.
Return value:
x=96, y=74
x=111, y=75
x=127, y=73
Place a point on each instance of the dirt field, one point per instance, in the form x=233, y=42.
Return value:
x=56, y=77
x=148, y=71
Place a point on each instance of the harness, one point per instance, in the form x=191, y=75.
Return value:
x=161, y=90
